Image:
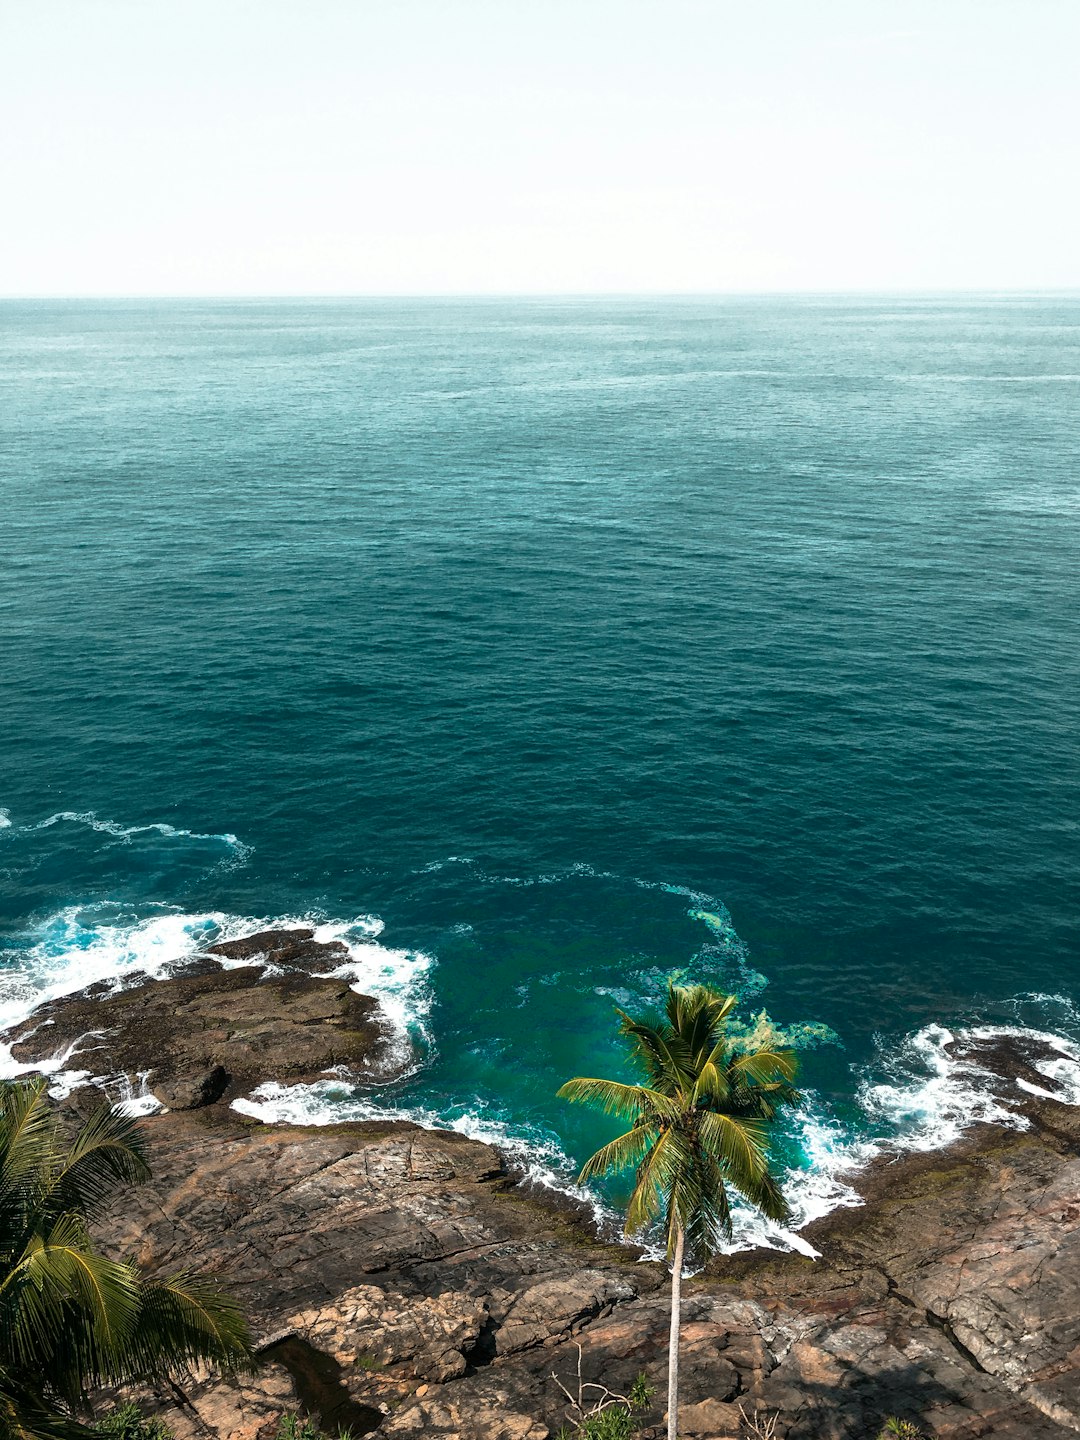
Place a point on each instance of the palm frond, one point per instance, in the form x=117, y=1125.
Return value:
x=700, y=1125
x=647, y=1199
x=702, y=1028
x=764, y=1193
x=698, y=1013
x=183, y=1319
x=24, y=1113
x=737, y=1144
x=629, y=1102
x=664, y=1055
x=621, y=1153
x=712, y=1084
x=108, y=1151
x=27, y=1131
x=708, y=1211
x=764, y=1066
x=70, y=1319
x=59, y=1275
x=25, y=1416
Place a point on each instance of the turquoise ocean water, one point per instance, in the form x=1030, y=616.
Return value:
x=509, y=639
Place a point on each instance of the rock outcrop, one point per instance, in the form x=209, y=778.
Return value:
x=212, y=1033
x=401, y=1283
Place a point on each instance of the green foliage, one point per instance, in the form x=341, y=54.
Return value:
x=296, y=1427
x=607, y=1415
x=70, y=1319
x=129, y=1423
x=641, y=1393
x=895, y=1429
x=303, y=1427
x=698, y=1123
x=615, y=1423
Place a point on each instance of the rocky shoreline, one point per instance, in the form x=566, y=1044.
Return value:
x=402, y=1282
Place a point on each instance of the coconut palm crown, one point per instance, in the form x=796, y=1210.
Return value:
x=72, y=1320
x=698, y=1124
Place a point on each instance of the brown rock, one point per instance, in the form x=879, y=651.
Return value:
x=204, y=1035
x=556, y=1308
x=396, y=1277
x=191, y=1092
x=709, y=1417
x=295, y=949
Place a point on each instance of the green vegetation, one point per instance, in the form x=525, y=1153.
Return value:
x=895, y=1429
x=72, y=1321
x=698, y=1124
x=128, y=1422
x=297, y=1427
x=606, y=1415
x=303, y=1427
x=614, y=1424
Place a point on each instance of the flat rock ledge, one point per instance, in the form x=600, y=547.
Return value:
x=244, y=1012
x=401, y=1284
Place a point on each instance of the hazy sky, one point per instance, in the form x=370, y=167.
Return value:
x=437, y=146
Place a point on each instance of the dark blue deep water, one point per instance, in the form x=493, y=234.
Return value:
x=528, y=629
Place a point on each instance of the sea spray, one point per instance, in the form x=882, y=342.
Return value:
x=930, y=1096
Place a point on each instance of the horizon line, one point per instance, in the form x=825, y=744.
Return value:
x=495, y=295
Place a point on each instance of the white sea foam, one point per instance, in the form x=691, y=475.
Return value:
x=63, y=1079
x=1062, y=1069
x=126, y=832
x=918, y=1096
x=74, y=948
x=928, y=1100
x=543, y=1162
x=823, y=1183
x=5, y=819
x=398, y=979
x=136, y=1099
x=238, y=851
x=930, y=1097
x=933, y=1095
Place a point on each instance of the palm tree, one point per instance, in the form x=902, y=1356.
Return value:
x=698, y=1124
x=70, y=1319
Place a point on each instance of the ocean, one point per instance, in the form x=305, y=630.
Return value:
x=544, y=649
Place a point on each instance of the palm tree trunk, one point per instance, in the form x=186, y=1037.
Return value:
x=673, y=1341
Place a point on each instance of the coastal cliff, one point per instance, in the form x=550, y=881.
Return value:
x=404, y=1282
